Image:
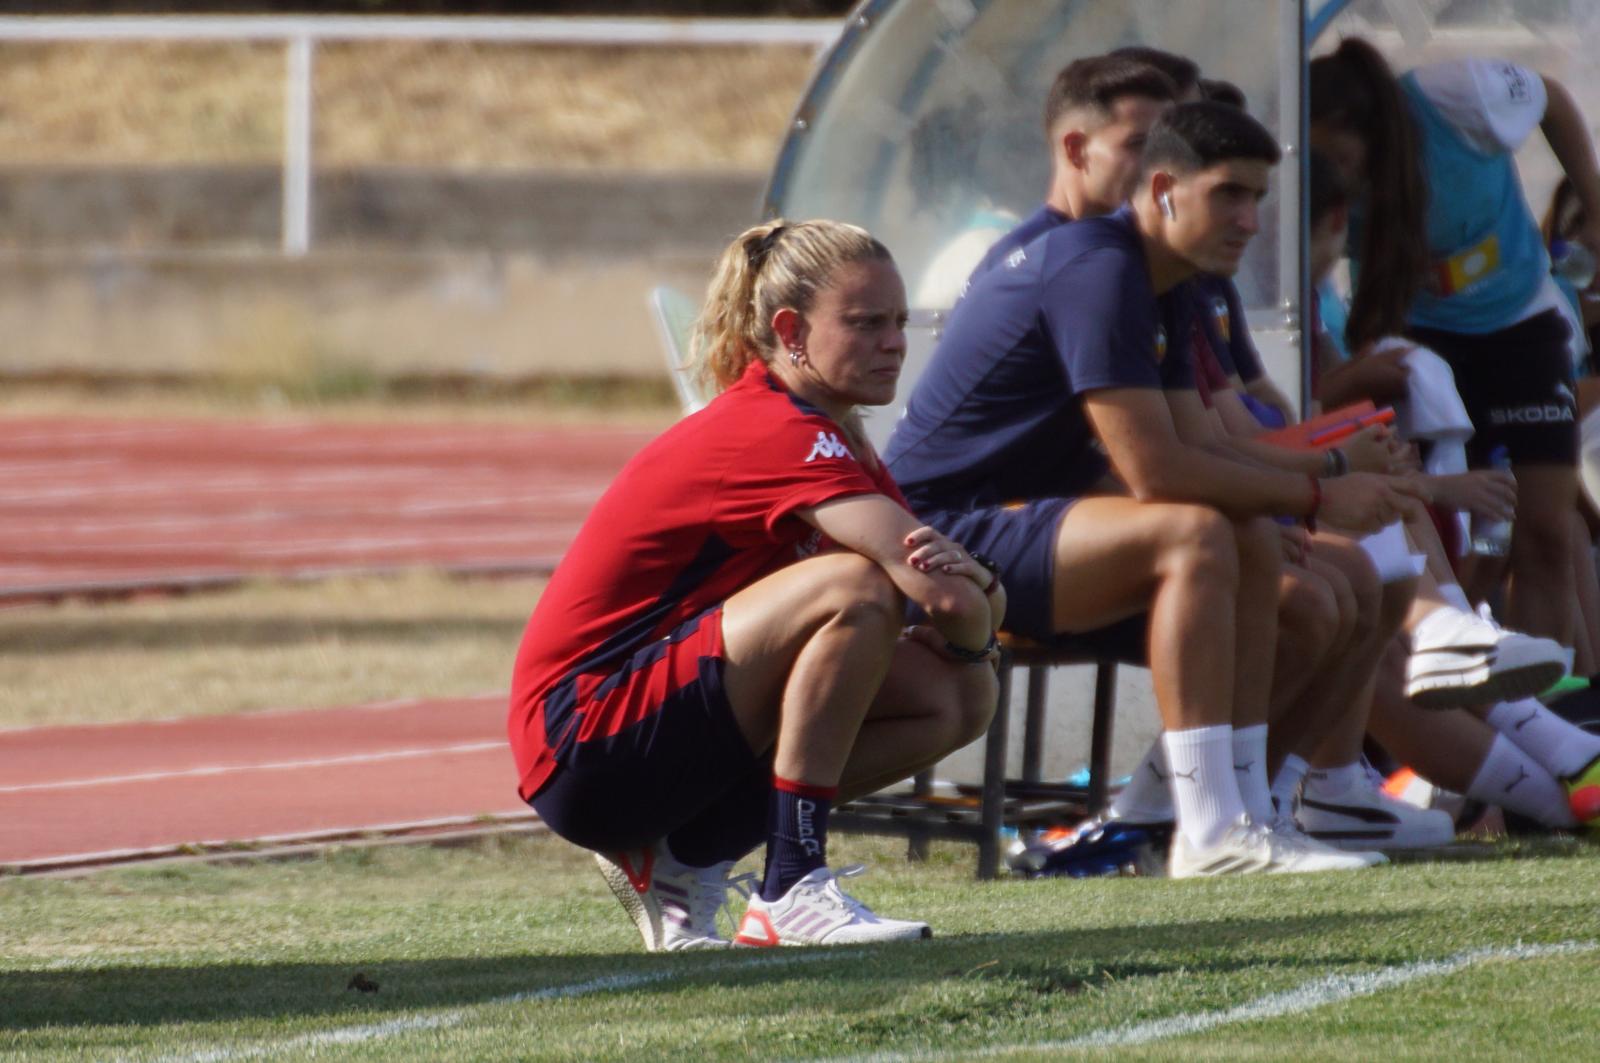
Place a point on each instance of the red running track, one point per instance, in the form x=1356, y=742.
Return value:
x=100, y=794
x=98, y=505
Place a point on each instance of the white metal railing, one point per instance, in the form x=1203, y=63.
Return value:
x=301, y=34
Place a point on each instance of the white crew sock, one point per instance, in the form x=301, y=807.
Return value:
x=1250, y=771
x=1203, y=787
x=1148, y=796
x=1331, y=782
x=1290, y=774
x=1454, y=595
x=1560, y=747
x=1510, y=778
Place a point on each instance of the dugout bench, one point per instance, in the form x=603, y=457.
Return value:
x=980, y=813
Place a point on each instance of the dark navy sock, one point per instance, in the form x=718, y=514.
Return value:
x=797, y=834
x=729, y=827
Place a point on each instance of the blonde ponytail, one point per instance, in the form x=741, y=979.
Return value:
x=768, y=267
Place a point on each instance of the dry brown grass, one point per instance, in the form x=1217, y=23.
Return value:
x=474, y=106
x=601, y=407
x=268, y=645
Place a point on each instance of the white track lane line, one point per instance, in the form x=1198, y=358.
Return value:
x=1314, y=994
x=307, y=1044
x=234, y=769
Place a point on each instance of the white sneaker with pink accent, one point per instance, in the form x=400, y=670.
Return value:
x=816, y=911
x=674, y=905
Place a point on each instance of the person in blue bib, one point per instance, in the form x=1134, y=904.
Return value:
x=1445, y=249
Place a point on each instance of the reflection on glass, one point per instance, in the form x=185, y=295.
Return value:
x=929, y=132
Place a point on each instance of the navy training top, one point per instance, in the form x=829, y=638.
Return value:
x=1027, y=231
x=998, y=414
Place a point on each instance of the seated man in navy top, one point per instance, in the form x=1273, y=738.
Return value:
x=1096, y=117
x=1075, y=350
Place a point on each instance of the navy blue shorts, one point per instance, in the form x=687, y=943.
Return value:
x=679, y=757
x=1021, y=539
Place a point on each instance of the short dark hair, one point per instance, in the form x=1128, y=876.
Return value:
x=1184, y=72
x=1194, y=136
x=1100, y=81
x=1328, y=189
x=1223, y=92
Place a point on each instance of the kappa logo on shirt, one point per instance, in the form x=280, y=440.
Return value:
x=827, y=446
x=1016, y=258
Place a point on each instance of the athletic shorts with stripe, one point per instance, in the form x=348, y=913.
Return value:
x=658, y=752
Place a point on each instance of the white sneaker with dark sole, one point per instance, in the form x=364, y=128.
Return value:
x=673, y=905
x=1361, y=816
x=1341, y=859
x=816, y=911
x=1250, y=848
x=1471, y=660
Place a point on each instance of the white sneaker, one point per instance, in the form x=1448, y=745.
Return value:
x=1362, y=816
x=1469, y=659
x=673, y=905
x=1337, y=859
x=1250, y=848
x=816, y=911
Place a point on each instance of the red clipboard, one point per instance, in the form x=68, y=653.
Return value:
x=1329, y=428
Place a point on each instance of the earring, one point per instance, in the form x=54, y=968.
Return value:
x=796, y=354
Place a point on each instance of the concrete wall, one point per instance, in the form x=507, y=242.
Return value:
x=177, y=271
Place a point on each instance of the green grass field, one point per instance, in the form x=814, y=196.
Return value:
x=513, y=949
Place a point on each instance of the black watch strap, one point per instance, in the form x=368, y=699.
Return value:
x=988, y=563
x=961, y=653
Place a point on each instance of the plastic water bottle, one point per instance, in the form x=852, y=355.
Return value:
x=1572, y=262
x=1490, y=537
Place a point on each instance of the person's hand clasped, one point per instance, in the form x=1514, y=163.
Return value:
x=933, y=551
x=1364, y=502
x=1375, y=449
x=1296, y=543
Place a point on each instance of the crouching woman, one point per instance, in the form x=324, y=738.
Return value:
x=722, y=654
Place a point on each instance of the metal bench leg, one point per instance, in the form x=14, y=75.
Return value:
x=1105, y=700
x=917, y=836
x=1033, y=728
x=991, y=809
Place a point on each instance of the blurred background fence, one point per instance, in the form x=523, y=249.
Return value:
x=344, y=199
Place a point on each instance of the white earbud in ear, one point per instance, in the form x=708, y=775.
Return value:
x=1164, y=201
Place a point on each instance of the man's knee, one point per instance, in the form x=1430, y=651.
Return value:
x=1200, y=539
x=1309, y=621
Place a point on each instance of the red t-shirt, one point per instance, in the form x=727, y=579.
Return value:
x=704, y=510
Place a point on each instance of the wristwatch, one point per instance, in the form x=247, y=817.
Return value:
x=990, y=651
x=988, y=563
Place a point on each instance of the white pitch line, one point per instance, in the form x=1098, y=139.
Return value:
x=229, y=769
x=345, y=1035
x=1314, y=994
